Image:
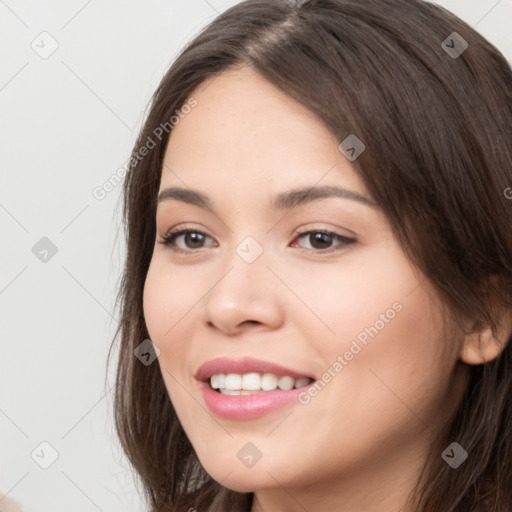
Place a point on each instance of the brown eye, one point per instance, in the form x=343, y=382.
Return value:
x=192, y=239
x=322, y=240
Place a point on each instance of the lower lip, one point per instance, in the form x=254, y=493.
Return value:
x=245, y=407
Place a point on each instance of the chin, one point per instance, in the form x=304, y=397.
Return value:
x=243, y=479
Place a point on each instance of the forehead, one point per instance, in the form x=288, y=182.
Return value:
x=246, y=130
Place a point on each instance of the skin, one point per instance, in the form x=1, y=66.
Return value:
x=361, y=442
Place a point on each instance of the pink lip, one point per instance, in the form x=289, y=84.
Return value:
x=243, y=407
x=246, y=407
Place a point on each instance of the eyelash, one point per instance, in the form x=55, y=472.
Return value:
x=172, y=235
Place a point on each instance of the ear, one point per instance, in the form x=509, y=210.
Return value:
x=480, y=345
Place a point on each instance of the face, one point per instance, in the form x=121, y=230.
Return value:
x=319, y=288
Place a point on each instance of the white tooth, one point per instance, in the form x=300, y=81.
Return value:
x=230, y=391
x=301, y=382
x=237, y=392
x=233, y=381
x=251, y=381
x=286, y=383
x=268, y=382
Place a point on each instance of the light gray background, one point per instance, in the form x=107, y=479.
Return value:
x=68, y=124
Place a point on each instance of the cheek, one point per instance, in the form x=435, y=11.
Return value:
x=168, y=300
x=382, y=319
x=167, y=307
x=404, y=365
x=350, y=297
x=162, y=312
x=153, y=305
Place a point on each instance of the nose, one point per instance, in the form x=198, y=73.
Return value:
x=245, y=296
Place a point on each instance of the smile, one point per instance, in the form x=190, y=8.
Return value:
x=248, y=388
x=251, y=383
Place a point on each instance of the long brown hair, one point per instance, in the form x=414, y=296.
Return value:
x=437, y=127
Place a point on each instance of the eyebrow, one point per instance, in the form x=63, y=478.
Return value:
x=282, y=201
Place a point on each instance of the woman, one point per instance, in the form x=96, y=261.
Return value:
x=318, y=248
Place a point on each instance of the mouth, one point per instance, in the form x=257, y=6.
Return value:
x=253, y=382
x=249, y=388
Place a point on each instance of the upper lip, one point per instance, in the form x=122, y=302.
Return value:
x=242, y=366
